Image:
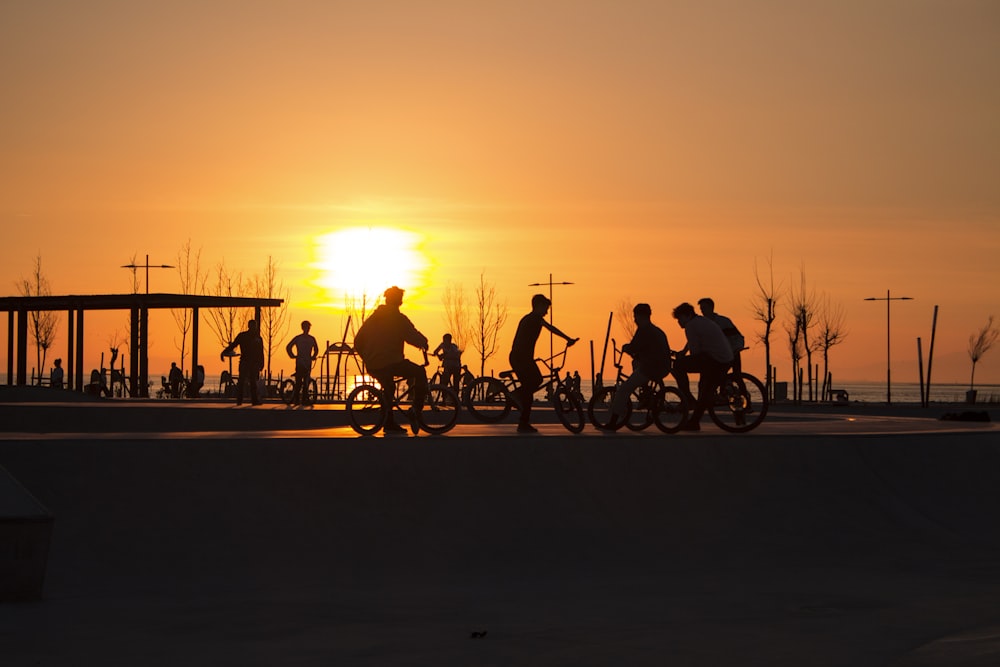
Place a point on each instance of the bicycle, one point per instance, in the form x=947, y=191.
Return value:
x=369, y=412
x=490, y=399
x=651, y=403
x=740, y=403
x=288, y=390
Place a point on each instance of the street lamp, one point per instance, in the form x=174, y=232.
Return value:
x=888, y=370
x=146, y=266
x=551, y=308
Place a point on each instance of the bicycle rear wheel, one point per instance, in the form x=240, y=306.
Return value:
x=365, y=409
x=740, y=403
x=489, y=400
x=568, y=409
x=671, y=410
x=440, y=410
x=599, y=407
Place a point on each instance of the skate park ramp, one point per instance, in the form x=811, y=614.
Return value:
x=789, y=546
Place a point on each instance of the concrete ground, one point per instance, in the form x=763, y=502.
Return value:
x=822, y=538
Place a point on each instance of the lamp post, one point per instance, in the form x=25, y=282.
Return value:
x=146, y=266
x=888, y=298
x=551, y=308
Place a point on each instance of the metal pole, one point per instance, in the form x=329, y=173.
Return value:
x=133, y=266
x=888, y=298
x=551, y=308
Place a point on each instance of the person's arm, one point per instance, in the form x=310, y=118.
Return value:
x=569, y=340
x=315, y=350
x=288, y=348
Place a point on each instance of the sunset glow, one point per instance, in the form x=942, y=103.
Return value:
x=361, y=262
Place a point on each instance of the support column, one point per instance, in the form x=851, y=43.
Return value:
x=22, y=347
x=133, y=368
x=79, y=351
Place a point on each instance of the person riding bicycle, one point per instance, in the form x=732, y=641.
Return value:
x=707, y=353
x=733, y=335
x=451, y=361
x=522, y=357
x=380, y=341
x=303, y=349
x=650, y=352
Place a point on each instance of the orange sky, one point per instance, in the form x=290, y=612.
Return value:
x=649, y=151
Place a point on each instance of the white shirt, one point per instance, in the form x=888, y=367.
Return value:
x=705, y=336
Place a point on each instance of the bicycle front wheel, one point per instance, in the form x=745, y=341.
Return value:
x=489, y=400
x=440, y=410
x=641, y=406
x=287, y=390
x=740, y=403
x=671, y=410
x=568, y=409
x=365, y=409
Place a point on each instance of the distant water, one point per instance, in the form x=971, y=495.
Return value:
x=867, y=392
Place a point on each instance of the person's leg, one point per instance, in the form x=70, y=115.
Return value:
x=531, y=379
x=681, y=367
x=254, y=397
x=623, y=395
x=304, y=389
x=711, y=373
x=416, y=375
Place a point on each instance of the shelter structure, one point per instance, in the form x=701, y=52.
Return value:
x=18, y=309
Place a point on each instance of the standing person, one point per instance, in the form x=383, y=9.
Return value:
x=451, y=360
x=251, y=360
x=650, y=352
x=733, y=335
x=56, y=375
x=380, y=342
x=522, y=357
x=303, y=349
x=175, y=378
x=707, y=353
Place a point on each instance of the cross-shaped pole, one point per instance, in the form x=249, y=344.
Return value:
x=146, y=266
x=551, y=308
x=888, y=349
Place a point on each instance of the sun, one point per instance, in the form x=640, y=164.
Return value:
x=361, y=262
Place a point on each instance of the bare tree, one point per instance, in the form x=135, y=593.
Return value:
x=456, y=314
x=831, y=332
x=273, y=321
x=134, y=264
x=41, y=323
x=803, y=307
x=226, y=321
x=192, y=280
x=979, y=344
x=794, y=331
x=624, y=318
x=765, y=310
x=490, y=316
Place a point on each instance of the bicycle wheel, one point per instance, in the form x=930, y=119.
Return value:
x=287, y=391
x=671, y=410
x=365, y=410
x=740, y=404
x=641, y=408
x=568, y=409
x=440, y=410
x=599, y=406
x=489, y=400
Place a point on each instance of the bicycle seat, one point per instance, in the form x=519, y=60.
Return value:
x=507, y=374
